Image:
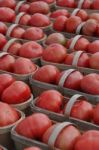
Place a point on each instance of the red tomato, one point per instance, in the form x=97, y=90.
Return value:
x=86, y=4
x=39, y=20
x=33, y=33
x=94, y=61
x=82, y=14
x=24, y=20
x=16, y=93
x=59, y=12
x=66, y=139
x=66, y=3
x=7, y=14
x=95, y=4
x=24, y=8
x=46, y=74
x=17, y=32
x=89, y=27
x=73, y=81
x=3, y=28
x=81, y=44
x=24, y=66
x=94, y=16
x=88, y=141
x=82, y=110
x=51, y=100
x=39, y=7
x=72, y=24
x=3, y=41
x=56, y=38
x=14, y=48
x=92, y=80
x=7, y=62
x=6, y=3
x=34, y=126
x=5, y=81
x=55, y=53
x=82, y=62
x=93, y=47
x=96, y=115
x=8, y=115
x=31, y=50
x=59, y=23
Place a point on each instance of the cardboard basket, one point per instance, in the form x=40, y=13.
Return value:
x=12, y=26
x=24, y=78
x=13, y=40
x=65, y=67
x=62, y=117
x=38, y=87
x=71, y=9
x=22, y=142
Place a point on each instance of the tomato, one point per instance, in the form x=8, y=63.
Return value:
x=66, y=139
x=46, y=74
x=16, y=93
x=7, y=14
x=14, y=48
x=8, y=115
x=3, y=41
x=59, y=23
x=31, y=50
x=33, y=33
x=90, y=84
x=59, y=12
x=3, y=28
x=81, y=44
x=55, y=53
x=96, y=115
x=5, y=3
x=51, y=100
x=39, y=20
x=17, y=32
x=39, y=7
x=73, y=81
x=72, y=23
x=34, y=126
x=82, y=110
x=88, y=141
x=83, y=60
x=5, y=81
x=24, y=66
x=6, y=63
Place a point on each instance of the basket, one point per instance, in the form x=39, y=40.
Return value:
x=22, y=142
x=71, y=9
x=24, y=78
x=46, y=29
x=70, y=35
x=38, y=87
x=11, y=41
x=12, y=26
x=61, y=118
x=65, y=67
